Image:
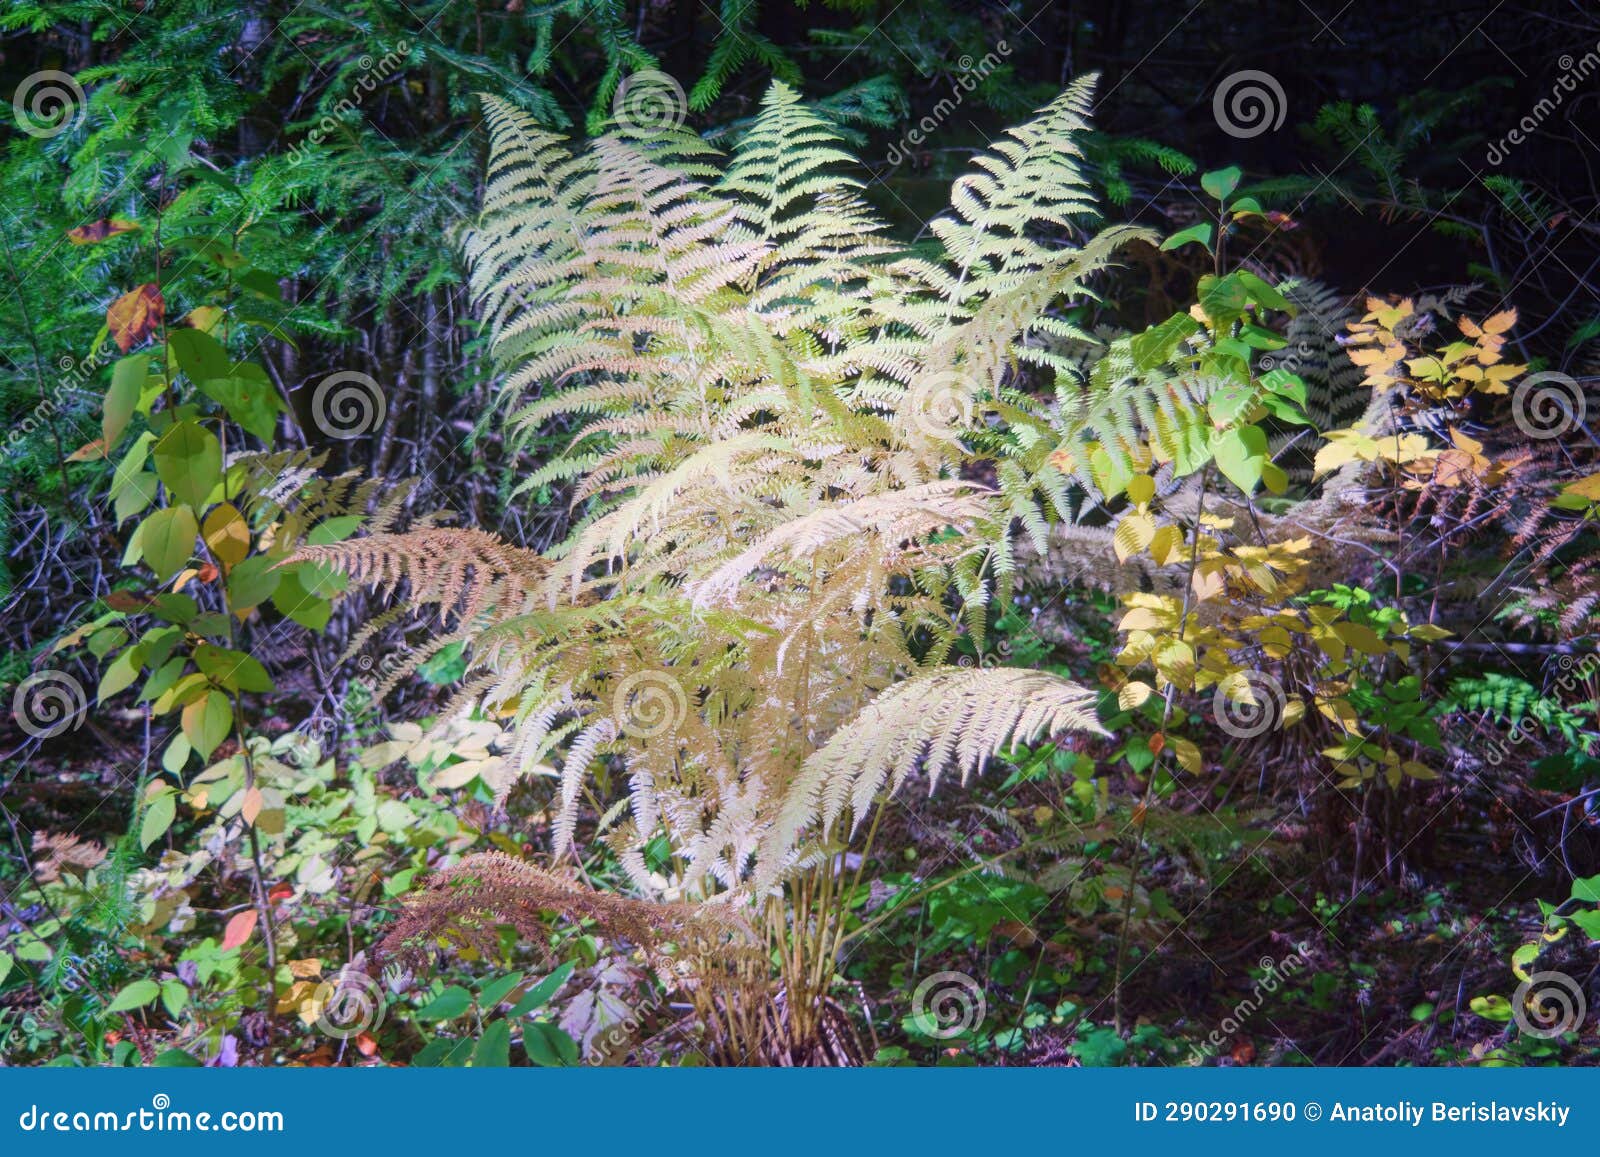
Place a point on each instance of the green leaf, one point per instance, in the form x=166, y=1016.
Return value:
x=122, y=399
x=547, y=1045
x=166, y=540
x=176, y=1058
x=448, y=1005
x=1200, y=234
x=1263, y=294
x=207, y=722
x=199, y=355
x=232, y=669
x=1221, y=183
x=1240, y=454
x=1223, y=299
x=157, y=819
x=261, y=282
x=1589, y=922
x=294, y=600
x=174, y=996
x=252, y=582
x=119, y=676
x=491, y=994
x=494, y=1047
x=135, y=995
x=1155, y=345
x=539, y=994
x=333, y=530
x=1587, y=890
x=250, y=399
x=189, y=460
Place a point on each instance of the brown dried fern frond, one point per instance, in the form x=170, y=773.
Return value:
x=472, y=577
x=463, y=906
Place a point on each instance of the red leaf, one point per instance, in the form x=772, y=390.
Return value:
x=280, y=892
x=239, y=929
x=135, y=315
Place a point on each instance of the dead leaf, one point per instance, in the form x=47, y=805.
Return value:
x=135, y=315
x=100, y=230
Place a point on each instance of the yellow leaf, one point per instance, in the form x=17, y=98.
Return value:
x=1363, y=639
x=1132, y=535
x=1133, y=694
x=1165, y=542
x=226, y=534
x=1500, y=322
x=1187, y=754
x=1142, y=489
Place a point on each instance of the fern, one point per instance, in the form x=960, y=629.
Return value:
x=772, y=415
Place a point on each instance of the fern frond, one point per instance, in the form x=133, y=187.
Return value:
x=954, y=720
